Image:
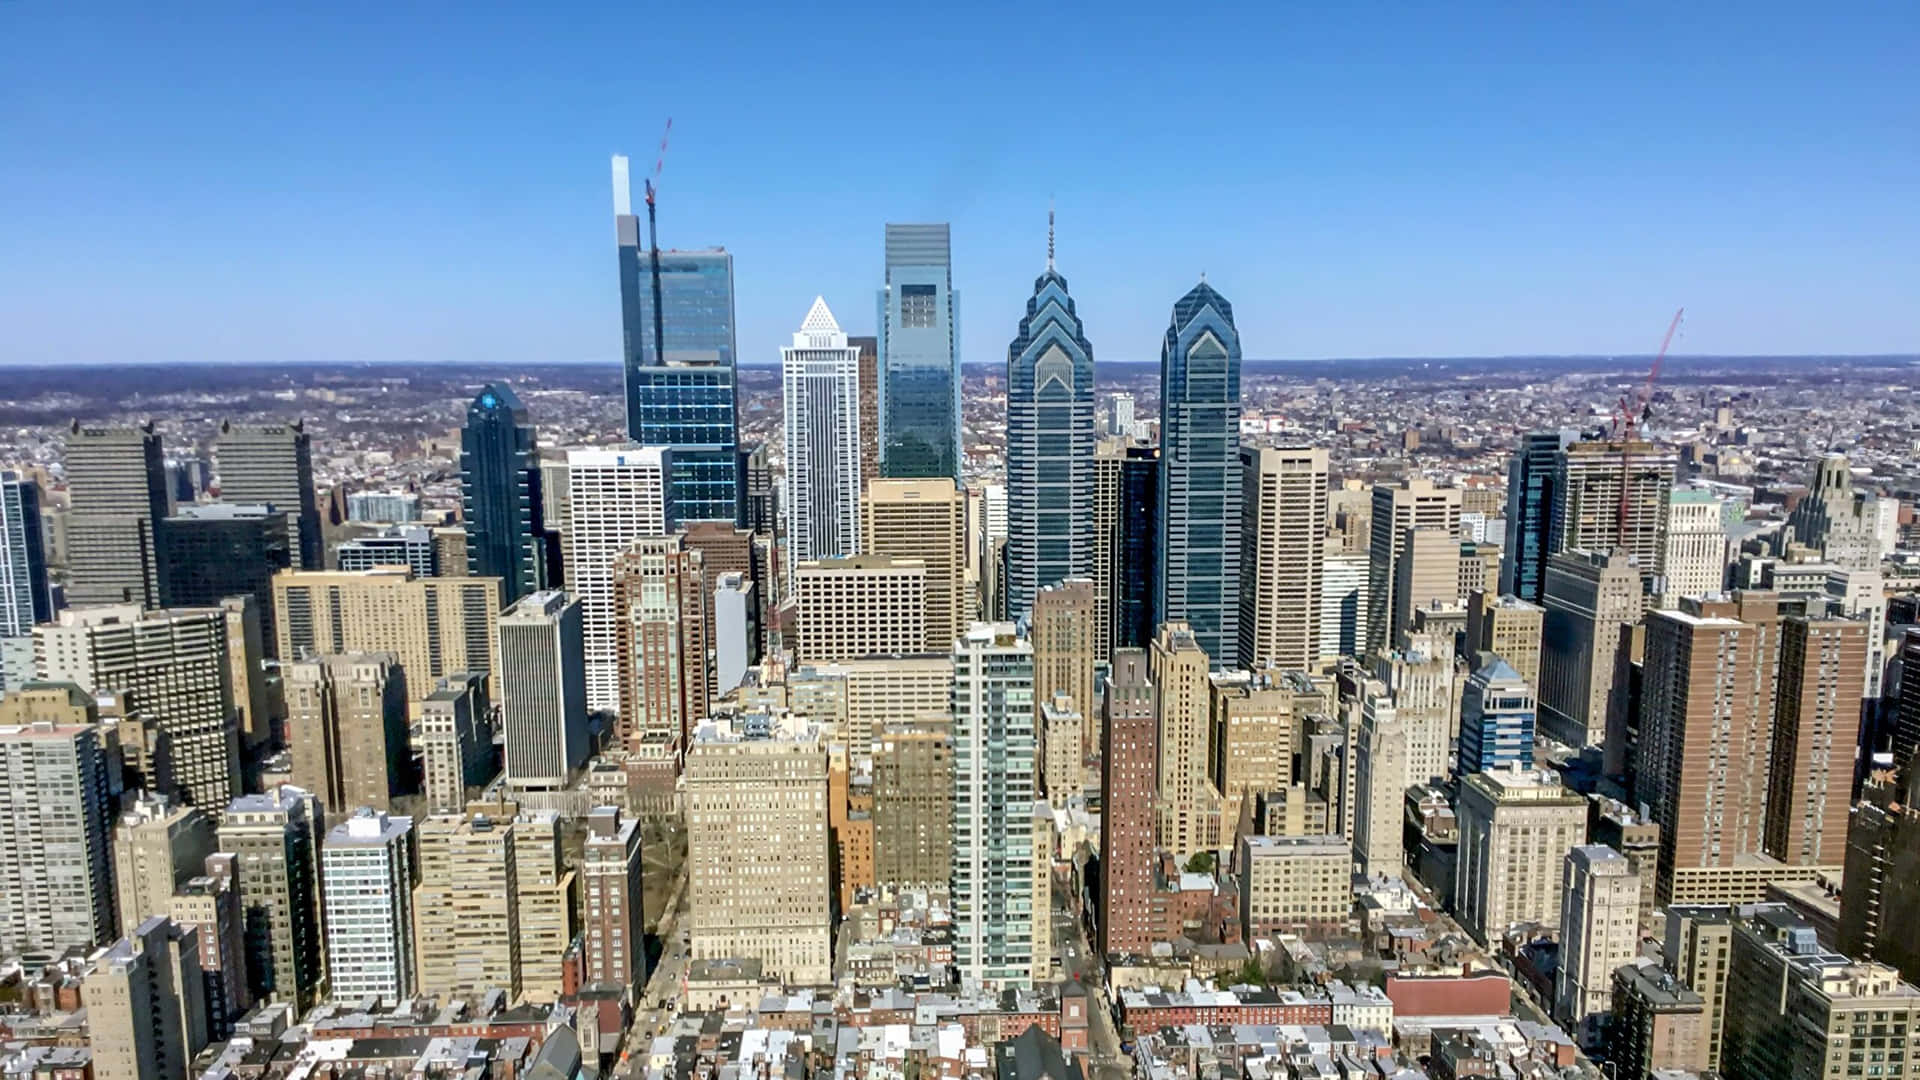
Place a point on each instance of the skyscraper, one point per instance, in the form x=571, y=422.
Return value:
x=1696, y=558
x=919, y=360
x=158, y=846
x=1496, y=719
x=1836, y=520
x=1049, y=445
x=117, y=483
x=500, y=494
x=455, y=737
x=272, y=464
x=1599, y=913
x=682, y=394
x=1514, y=828
x=993, y=778
x=1189, y=805
x=1063, y=632
x=1198, y=555
x=367, y=876
x=1591, y=514
x=660, y=603
x=56, y=862
x=25, y=598
x=1588, y=598
x=820, y=382
x=913, y=802
x=435, y=626
x=1283, y=531
x=1380, y=788
x=869, y=605
x=143, y=1007
x=347, y=725
x=1523, y=563
x=543, y=692
x=1129, y=767
x=1399, y=510
x=614, y=931
x=275, y=837
x=1816, y=728
x=615, y=496
x=216, y=550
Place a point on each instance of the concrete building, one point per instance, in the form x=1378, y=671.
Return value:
x=56, y=868
x=919, y=354
x=1344, y=605
x=456, y=741
x=1514, y=828
x=1599, y=932
x=1657, y=1023
x=913, y=788
x=546, y=912
x=615, y=496
x=1125, y=505
x=25, y=596
x=922, y=520
x=247, y=646
x=993, y=778
x=117, y=502
x=1294, y=885
x=544, y=690
x=1412, y=504
x=1698, y=940
x=174, y=663
x=1837, y=521
x=660, y=607
x=367, y=878
x=1253, y=739
x=1822, y=682
x=1529, y=513
x=867, y=605
x=1588, y=505
x=466, y=908
x=758, y=856
x=273, y=464
x=143, y=1016
x=1061, y=728
x=1189, y=805
x=411, y=546
x=736, y=630
x=1695, y=561
x=1510, y=628
x=1882, y=883
x=209, y=905
x=1380, y=787
x=275, y=840
x=1426, y=577
x=1065, y=630
x=347, y=726
x=1283, y=506
x=157, y=848
x=1588, y=598
x=1496, y=719
x=1129, y=764
x=820, y=381
x=887, y=689
x=434, y=626
x=612, y=900
x=1420, y=678
x=218, y=550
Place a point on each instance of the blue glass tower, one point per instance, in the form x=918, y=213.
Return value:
x=1497, y=718
x=919, y=361
x=1523, y=561
x=683, y=394
x=1050, y=437
x=500, y=494
x=1198, y=556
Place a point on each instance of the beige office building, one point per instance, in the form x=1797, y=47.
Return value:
x=1515, y=827
x=347, y=724
x=1380, y=788
x=913, y=802
x=1588, y=505
x=433, y=626
x=491, y=909
x=881, y=690
x=1189, y=805
x=1062, y=729
x=923, y=520
x=1426, y=576
x=1283, y=506
x=1254, y=735
x=1508, y=627
x=1412, y=504
x=1064, y=633
x=1599, y=931
x=758, y=852
x=1294, y=885
x=1588, y=597
x=145, y=1020
x=157, y=847
x=867, y=605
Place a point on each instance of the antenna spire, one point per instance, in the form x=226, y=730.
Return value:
x=1049, y=235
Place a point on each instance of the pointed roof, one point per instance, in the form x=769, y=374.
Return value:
x=1496, y=669
x=819, y=319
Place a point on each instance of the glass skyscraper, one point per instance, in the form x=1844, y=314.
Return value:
x=683, y=396
x=1134, y=562
x=919, y=359
x=1198, y=555
x=1049, y=447
x=500, y=494
x=1523, y=561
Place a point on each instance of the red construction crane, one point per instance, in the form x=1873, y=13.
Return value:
x=653, y=242
x=1632, y=413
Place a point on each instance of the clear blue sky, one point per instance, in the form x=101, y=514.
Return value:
x=250, y=184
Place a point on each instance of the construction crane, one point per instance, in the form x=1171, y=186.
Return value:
x=653, y=242
x=1630, y=416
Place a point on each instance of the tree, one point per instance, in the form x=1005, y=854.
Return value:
x=1200, y=862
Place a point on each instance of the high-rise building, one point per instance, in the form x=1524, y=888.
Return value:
x=1530, y=496
x=1294, y=885
x=919, y=361
x=56, y=861
x=25, y=598
x=1065, y=631
x=1795, y=1009
x=1423, y=684
x=614, y=497
x=347, y=726
x=543, y=691
x=449, y=549
x=367, y=878
x=993, y=780
x=467, y=907
x=1698, y=939
x=1198, y=554
x=500, y=502
x=1838, y=522
x=1904, y=739
x=924, y=520
x=1129, y=766
x=1695, y=562
x=1496, y=719
x=1049, y=445
x=1657, y=1023
x=174, y=663
x=275, y=840
x=758, y=853
x=1398, y=511
x=612, y=907
x=209, y=904
x=143, y=1016
x=1125, y=509
x=1283, y=529
x=412, y=546
x=868, y=349
x=247, y=646
x=1380, y=789
x=1589, y=597
x=1189, y=805
x=272, y=464
x=216, y=550
x=883, y=689
x=117, y=484
x=1426, y=578
x=1599, y=920
x=1120, y=415
x=157, y=848
x=820, y=383
x=1252, y=741
x=1061, y=728
x=1590, y=513
x=1344, y=604
x=660, y=604
x=434, y=626
x=1881, y=887
x=1815, y=730
x=1514, y=828
x=868, y=605
x=677, y=348
x=913, y=802
x=546, y=913
x=455, y=737
x=1509, y=628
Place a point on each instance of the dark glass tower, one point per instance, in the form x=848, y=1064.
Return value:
x=682, y=395
x=1049, y=446
x=1523, y=561
x=500, y=494
x=1199, y=551
x=919, y=362
x=1134, y=561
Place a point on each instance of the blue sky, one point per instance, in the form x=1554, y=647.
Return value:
x=261, y=184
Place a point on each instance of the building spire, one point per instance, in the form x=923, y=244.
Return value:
x=1049, y=234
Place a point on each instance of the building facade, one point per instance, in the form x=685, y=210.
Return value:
x=272, y=464
x=56, y=813
x=117, y=492
x=994, y=791
x=820, y=384
x=1282, y=551
x=919, y=355
x=500, y=502
x=543, y=689
x=1198, y=553
x=923, y=520
x=367, y=878
x=614, y=497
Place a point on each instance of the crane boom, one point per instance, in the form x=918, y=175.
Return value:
x=653, y=242
x=1630, y=429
